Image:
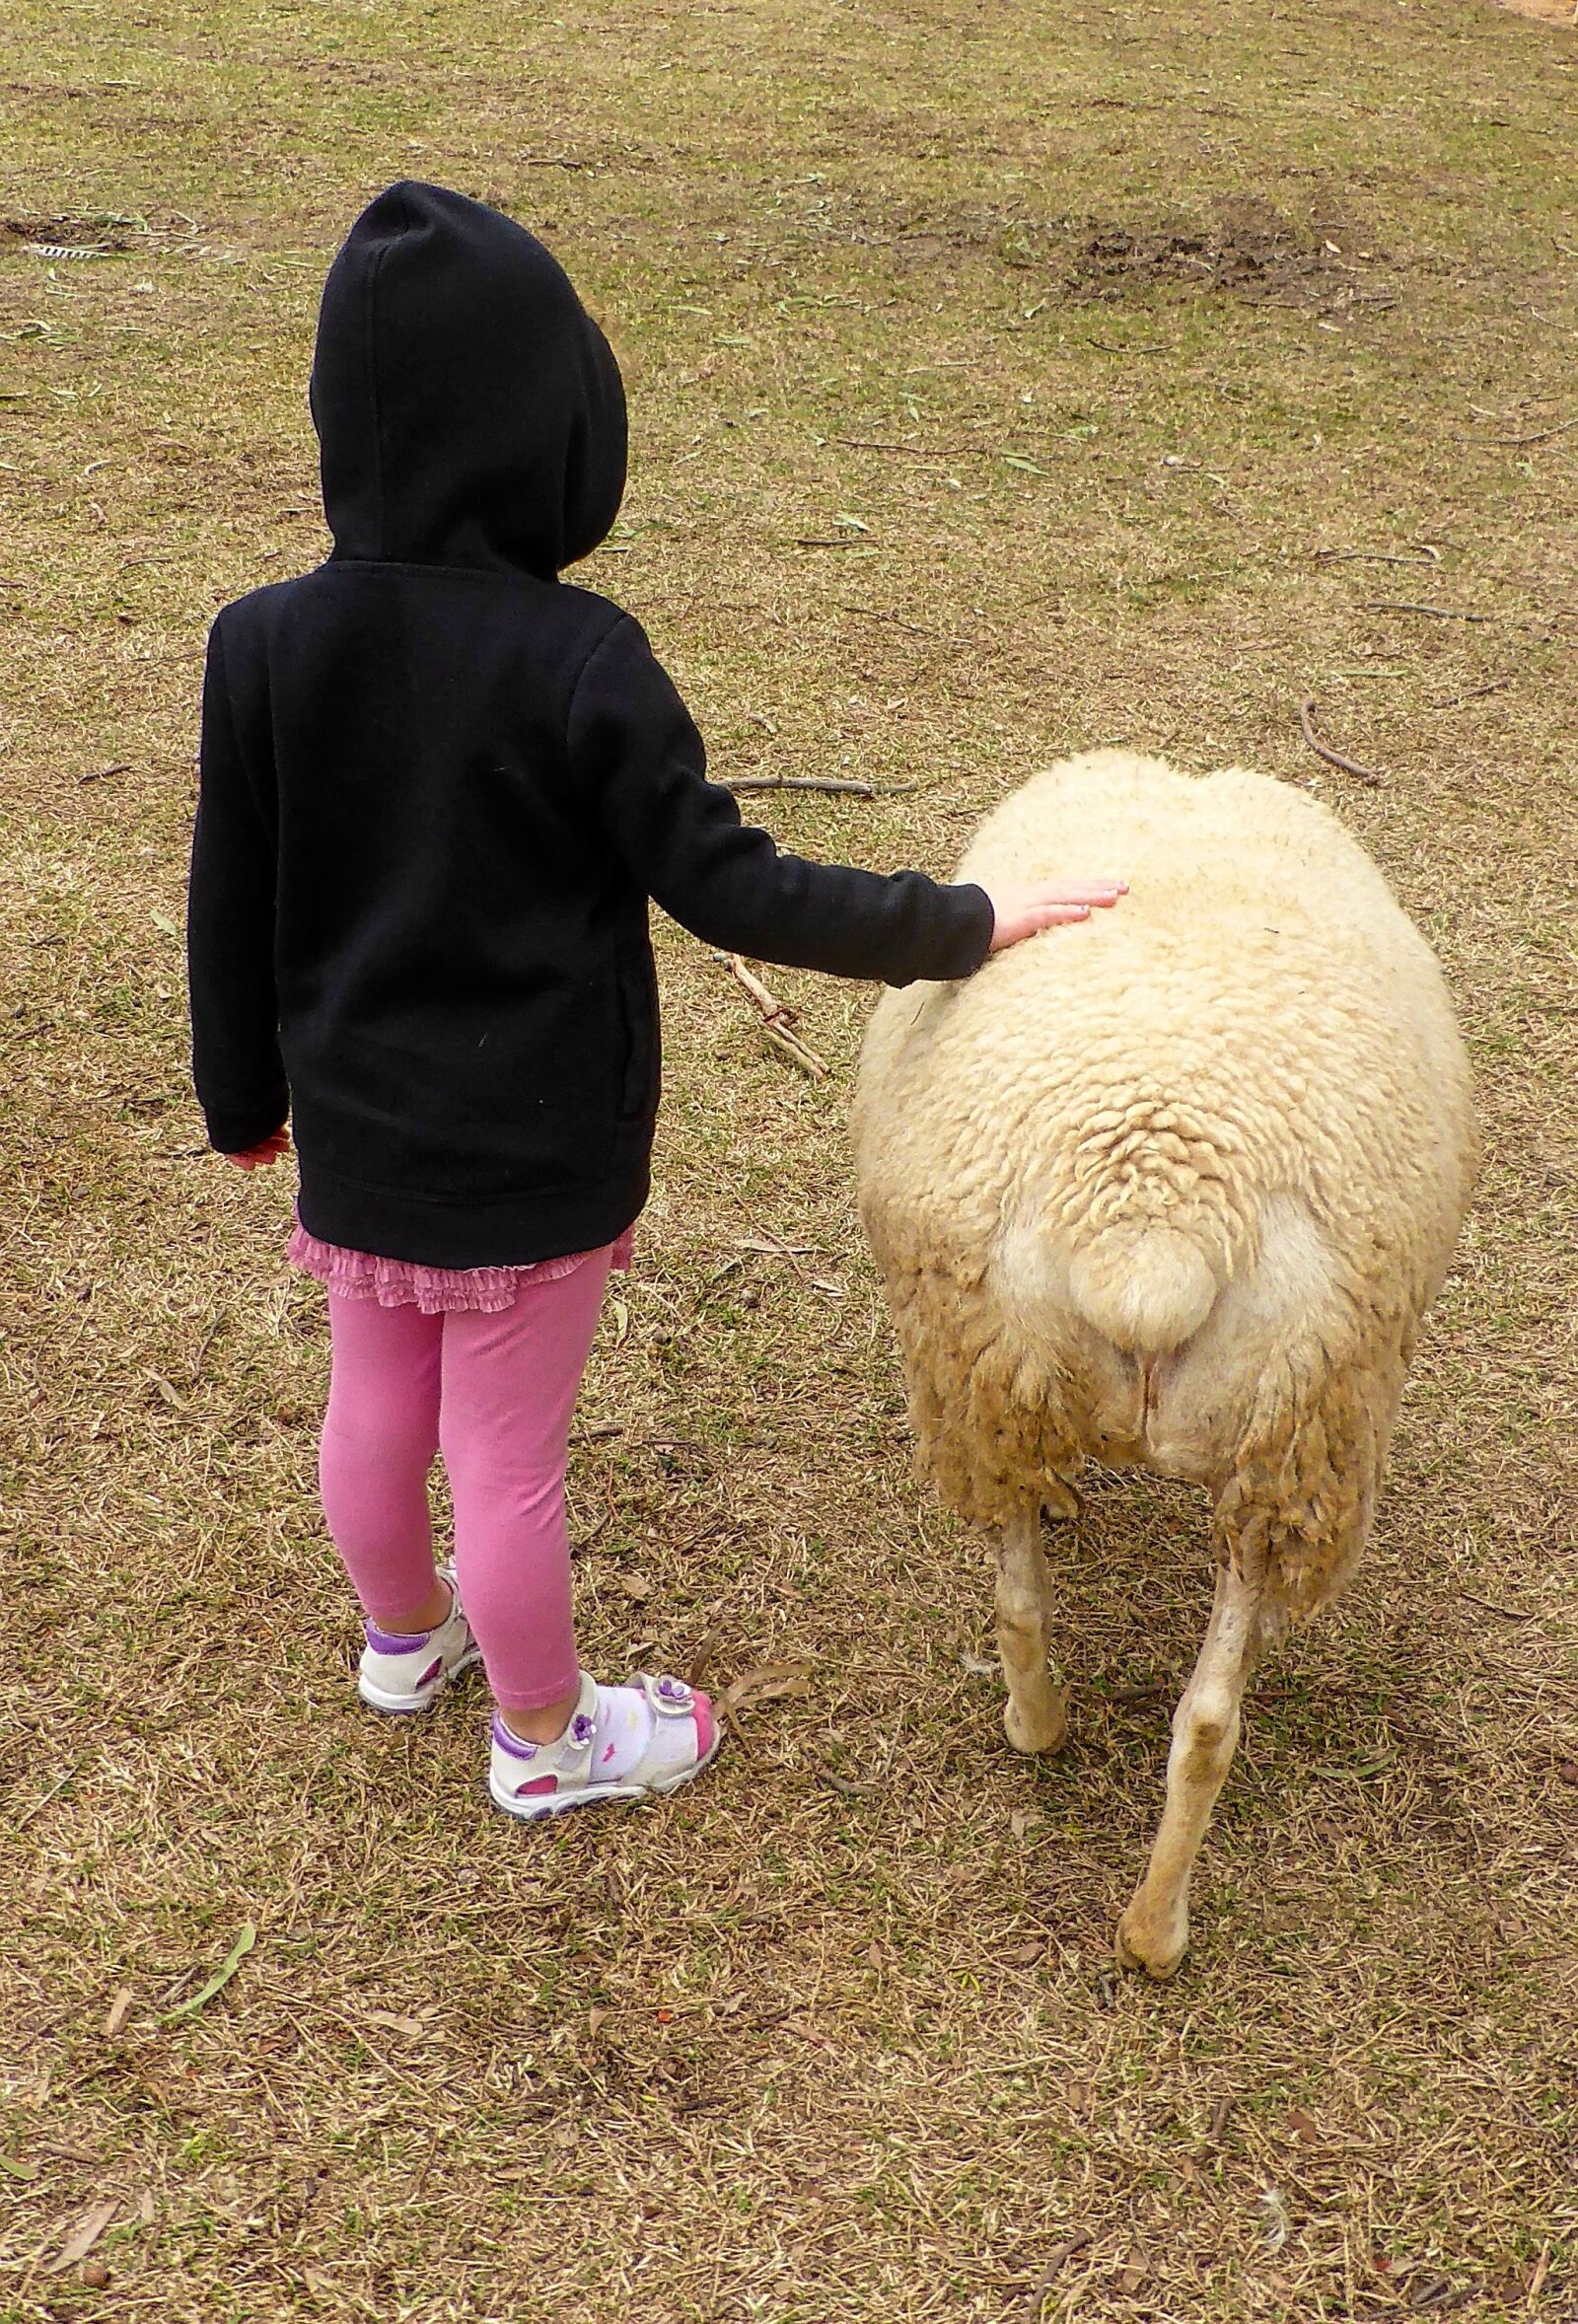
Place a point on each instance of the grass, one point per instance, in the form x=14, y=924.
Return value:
x=1151, y=315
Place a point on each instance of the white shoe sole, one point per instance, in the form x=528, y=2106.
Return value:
x=378, y=1699
x=534, y=1811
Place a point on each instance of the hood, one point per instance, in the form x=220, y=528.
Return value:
x=468, y=410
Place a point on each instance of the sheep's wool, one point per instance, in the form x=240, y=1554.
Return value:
x=1177, y=1185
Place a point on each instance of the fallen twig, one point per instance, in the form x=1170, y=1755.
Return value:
x=777, y=1020
x=1451, y=702
x=25, y=1818
x=1405, y=605
x=910, y=451
x=1424, y=555
x=1365, y=774
x=877, y=614
x=102, y=774
x=817, y=783
x=1141, y=347
x=1535, y=436
x=1507, y=1613
x=1061, y=2254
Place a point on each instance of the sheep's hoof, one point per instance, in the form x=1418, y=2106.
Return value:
x=1046, y=1728
x=1155, y=1945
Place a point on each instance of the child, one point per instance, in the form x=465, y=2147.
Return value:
x=438, y=787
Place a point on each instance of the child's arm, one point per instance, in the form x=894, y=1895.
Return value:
x=230, y=938
x=635, y=747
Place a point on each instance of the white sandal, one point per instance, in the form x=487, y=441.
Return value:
x=536, y=1779
x=404, y=1674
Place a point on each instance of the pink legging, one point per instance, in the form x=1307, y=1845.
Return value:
x=496, y=1393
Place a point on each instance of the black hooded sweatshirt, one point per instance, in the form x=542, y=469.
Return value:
x=438, y=786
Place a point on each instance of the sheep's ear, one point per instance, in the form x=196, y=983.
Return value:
x=1297, y=1505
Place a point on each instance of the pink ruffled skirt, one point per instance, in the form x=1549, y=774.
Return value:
x=436, y=1291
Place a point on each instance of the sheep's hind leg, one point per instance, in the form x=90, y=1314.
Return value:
x=1155, y=1930
x=1034, y=1718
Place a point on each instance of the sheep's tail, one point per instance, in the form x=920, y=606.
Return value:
x=1146, y=1287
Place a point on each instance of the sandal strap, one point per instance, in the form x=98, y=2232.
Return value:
x=571, y=1756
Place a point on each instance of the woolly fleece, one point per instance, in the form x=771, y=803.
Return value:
x=1175, y=1186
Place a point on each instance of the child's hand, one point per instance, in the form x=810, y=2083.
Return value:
x=1023, y=911
x=269, y=1149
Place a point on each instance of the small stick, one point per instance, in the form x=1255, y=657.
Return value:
x=777, y=1020
x=1507, y=1613
x=910, y=451
x=877, y=614
x=1366, y=774
x=102, y=774
x=1422, y=555
x=1403, y=605
x=1536, y=435
x=1451, y=702
x=816, y=782
x=1142, y=347
x=39, y=1805
x=1063, y=2252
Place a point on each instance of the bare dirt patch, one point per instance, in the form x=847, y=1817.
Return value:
x=1250, y=252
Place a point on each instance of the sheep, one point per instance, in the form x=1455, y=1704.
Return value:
x=1170, y=1188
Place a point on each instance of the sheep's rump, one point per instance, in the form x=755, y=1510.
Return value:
x=1176, y=1185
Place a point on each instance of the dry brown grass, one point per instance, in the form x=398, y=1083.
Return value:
x=835, y=2037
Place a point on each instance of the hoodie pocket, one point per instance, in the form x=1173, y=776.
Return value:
x=637, y=987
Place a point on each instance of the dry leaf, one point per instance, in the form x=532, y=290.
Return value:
x=1132, y=2274
x=844, y=1787
x=1022, y=1956
x=635, y=1585
x=1081, y=2097
x=145, y=2207
x=85, y=2234
x=220, y=1979
x=119, y=2011
x=411, y=2027
x=1304, y=2125
x=765, y=1684
x=701, y=1659
x=621, y=1312
x=1019, y=1823
x=596, y=2019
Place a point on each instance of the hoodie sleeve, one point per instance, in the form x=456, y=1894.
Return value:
x=229, y=936
x=636, y=749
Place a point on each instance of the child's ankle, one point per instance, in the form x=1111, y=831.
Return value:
x=545, y=1724
x=423, y=1614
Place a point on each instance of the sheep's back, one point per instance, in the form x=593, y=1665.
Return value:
x=1258, y=1016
